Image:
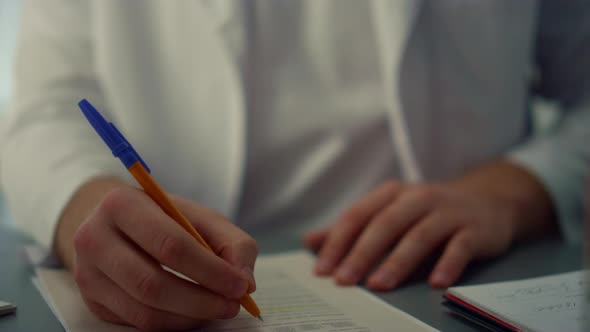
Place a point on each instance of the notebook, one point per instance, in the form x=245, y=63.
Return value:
x=550, y=303
x=290, y=298
x=6, y=308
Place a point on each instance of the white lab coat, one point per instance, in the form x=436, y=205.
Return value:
x=457, y=75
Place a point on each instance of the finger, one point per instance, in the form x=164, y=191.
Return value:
x=134, y=214
x=102, y=312
x=314, y=239
x=462, y=248
x=146, y=281
x=347, y=228
x=83, y=277
x=385, y=228
x=228, y=241
x=138, y=314
x=414, y=247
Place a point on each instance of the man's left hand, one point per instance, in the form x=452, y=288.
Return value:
x=477, y=216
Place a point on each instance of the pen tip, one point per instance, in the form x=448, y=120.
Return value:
x=260, y=318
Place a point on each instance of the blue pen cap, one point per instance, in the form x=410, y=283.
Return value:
x=113, y=138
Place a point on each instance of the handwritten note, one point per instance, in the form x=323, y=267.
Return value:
x=552, y=303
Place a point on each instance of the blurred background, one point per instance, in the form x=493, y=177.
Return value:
x=9, y=20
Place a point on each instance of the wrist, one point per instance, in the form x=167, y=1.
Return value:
x=518, y=195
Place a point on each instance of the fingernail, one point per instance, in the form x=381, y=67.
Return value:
x=440, y=279
x=347, y=275
x=231, y=309
x=249, y=274
x=239, y=288
x=323, y=267
x=382, y=281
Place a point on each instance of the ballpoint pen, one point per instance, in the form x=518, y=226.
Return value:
x=123, y=150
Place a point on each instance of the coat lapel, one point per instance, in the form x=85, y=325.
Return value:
x=393, y=25
x=393, y=20
x=225, y=22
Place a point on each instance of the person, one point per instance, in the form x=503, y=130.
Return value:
x=383, y=130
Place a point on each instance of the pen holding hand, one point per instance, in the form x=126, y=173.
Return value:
x=122, y=243
x=144, y=178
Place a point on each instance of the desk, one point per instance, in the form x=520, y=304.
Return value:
x=415, y=297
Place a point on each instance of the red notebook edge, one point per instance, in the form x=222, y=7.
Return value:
x=481, y=312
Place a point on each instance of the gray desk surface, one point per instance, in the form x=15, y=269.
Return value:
x=415, y=297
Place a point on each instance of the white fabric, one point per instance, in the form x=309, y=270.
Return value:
x=323, y=122
x=169, y=74
x=173, y=86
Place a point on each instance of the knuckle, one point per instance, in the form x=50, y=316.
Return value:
x=150, y=287
x=385, y=219
x=391, y=185
x=427, y=194
x=353, y=215
x=244, y=241
x=250, y=245
x=115, y=200
x=169, y=250
x=84, y=239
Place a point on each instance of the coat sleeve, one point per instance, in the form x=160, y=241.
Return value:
x=561, y=157
x=48, y=148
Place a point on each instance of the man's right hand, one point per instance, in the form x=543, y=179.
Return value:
x=124, y=240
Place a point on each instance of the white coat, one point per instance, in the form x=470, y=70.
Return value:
x=458, y=75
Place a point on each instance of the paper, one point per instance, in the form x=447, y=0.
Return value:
x=553, y=303
x=289, y=296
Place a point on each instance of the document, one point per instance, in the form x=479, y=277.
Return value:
x=552, y=303
x=290, y=298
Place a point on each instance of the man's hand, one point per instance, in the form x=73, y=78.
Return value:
x=124, y=240
x=477, y=216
